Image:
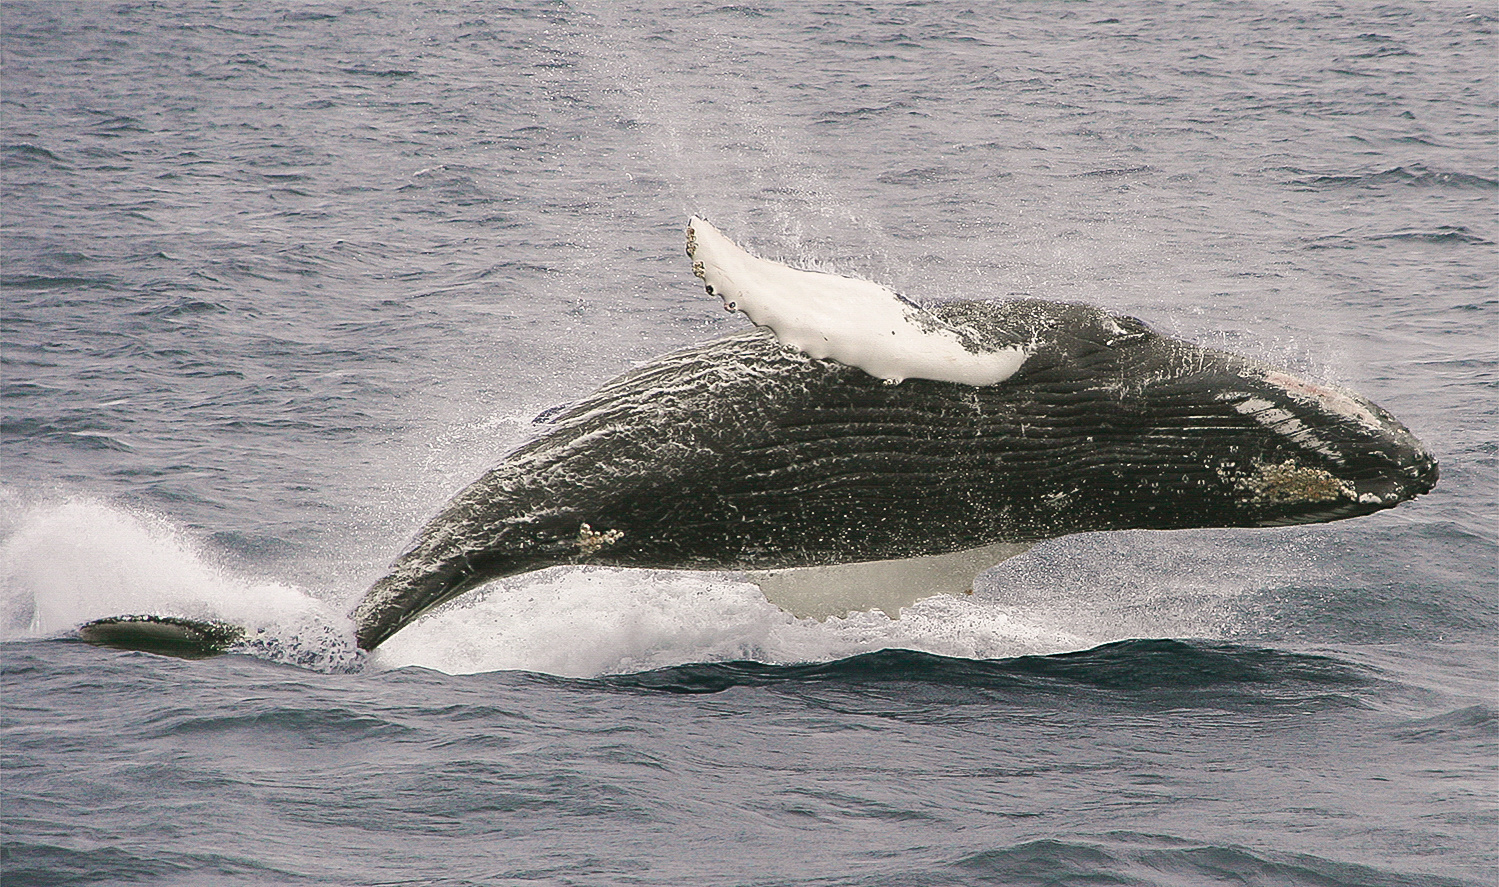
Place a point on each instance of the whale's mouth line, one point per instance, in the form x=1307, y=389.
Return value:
x=1328, y=516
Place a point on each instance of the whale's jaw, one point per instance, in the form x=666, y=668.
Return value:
x=1356, y=458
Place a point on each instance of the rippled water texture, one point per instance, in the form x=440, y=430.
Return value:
x=278, y=280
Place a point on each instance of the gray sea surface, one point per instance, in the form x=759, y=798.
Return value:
x=279, y=279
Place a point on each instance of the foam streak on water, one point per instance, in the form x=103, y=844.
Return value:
x=278, y=280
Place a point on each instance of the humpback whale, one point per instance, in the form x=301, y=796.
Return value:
x=854, y=450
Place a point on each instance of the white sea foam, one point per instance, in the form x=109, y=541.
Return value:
x=70, y=561
x=66, y=562
x=591, y=621
x=588, y=621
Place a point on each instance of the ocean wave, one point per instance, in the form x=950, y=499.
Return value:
x=1458, y=235
x=1416, y=176
x=1474, y=723
x=81, y=861
x=1160, y=672
x=1137, y=860
x=23, y=152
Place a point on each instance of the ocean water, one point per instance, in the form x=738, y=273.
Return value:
x=279, y=279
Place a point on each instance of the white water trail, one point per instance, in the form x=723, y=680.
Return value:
x=581, y=622
x=64, y=562
x=69, y=561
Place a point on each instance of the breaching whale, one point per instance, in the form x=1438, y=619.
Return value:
x=856, y=450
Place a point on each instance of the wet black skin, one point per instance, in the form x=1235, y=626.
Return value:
x=744, y=453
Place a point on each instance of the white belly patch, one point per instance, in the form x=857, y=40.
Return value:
x=840, y=589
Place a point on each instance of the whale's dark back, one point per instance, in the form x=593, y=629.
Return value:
x=743, y=453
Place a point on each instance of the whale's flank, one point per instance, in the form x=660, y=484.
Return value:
x=744, y=454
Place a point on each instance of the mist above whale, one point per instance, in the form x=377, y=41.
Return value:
x=856, y=450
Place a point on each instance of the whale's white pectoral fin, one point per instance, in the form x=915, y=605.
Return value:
x=855, y=322
x=840, y=589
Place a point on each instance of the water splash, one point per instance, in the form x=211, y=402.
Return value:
x=66, y=562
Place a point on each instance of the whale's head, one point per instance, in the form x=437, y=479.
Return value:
x=1139, y=430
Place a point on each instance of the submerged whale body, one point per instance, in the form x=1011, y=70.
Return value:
x=852, y=430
